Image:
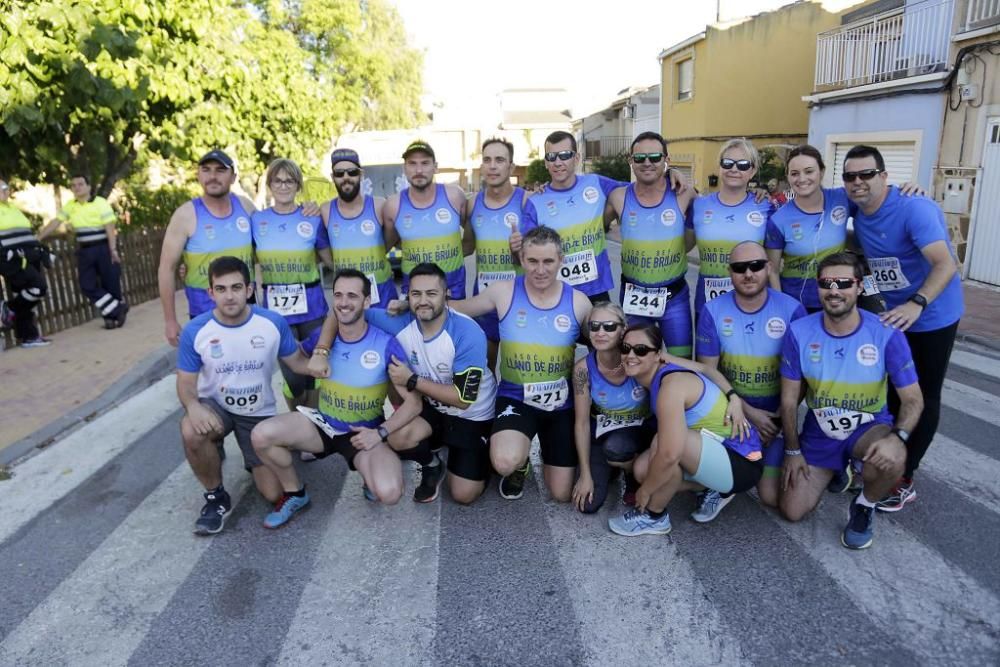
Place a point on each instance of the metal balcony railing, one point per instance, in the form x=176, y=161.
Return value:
x=904, y=42
x=606, y=147
x=981, y=14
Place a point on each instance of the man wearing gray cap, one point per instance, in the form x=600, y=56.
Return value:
x=430, y=220
x=353, y=223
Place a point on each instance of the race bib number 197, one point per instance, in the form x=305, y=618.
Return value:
x=547, y=395
x=838, y=423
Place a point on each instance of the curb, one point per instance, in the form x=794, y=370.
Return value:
x=988, y=345
x=156, y=366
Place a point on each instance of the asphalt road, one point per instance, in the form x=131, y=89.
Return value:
x=100, y=567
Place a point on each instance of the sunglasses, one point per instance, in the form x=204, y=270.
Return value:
x=340, y=173
x=655, y=158
x=754, y=265
x=839, y=283
x=552, y=156
x=742, y=165
x=640, y=350
x=864, y=175
x=609, y=326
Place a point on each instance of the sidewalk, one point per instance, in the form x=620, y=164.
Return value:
x=49, y=390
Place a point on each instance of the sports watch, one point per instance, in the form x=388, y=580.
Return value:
x=383, y=433
x=901, y=434
x=411, y=382
x=919, y=299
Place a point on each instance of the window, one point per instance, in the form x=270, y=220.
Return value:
x=685, y=79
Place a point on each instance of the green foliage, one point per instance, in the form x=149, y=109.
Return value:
x=536, y=173
x=616, y=167
x=771, y=166
x=96, y=86
x=146, y=207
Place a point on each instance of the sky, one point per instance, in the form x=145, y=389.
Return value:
x=475, y=49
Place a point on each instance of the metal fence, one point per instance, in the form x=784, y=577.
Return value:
x=65, y=306
x=981, y=14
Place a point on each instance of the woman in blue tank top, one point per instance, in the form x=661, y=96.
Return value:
x=612, y=422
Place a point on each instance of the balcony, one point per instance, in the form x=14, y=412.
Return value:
x=606, y=147
x=909, y=41
x=981, y=14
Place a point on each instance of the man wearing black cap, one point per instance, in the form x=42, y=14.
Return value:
x=430, y=220
x=353, y=222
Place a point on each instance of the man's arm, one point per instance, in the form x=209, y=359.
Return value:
x=485, y=302
x=583, y=490
x=388, y=212
x=203, y=419
x=468, y=235
x=319, y=361
x=51, y=226
x=298, y=362
x=174, y=240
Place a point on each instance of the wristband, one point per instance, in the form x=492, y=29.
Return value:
x=322, y=351
x=411, y=382
x=729, y=394
x=383, y=433
x=793, y=452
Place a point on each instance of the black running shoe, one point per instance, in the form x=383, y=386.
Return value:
x=430, y=482
x=512, y=486
x=213, y=514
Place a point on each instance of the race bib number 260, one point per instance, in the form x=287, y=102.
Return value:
x=888, y=273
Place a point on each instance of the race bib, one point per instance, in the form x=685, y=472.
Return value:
x=645, y=301
x=608, y=423
x=241, y=403
x=287, y=299
x=374, y=297
x=487, y=278
x=888, y=273
x=870, y=287
x=547, y=395
x=838, y=423
x=579, y=268
x=717, y=287
x=316, y=417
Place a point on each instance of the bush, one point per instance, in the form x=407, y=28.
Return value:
x=536, y=173
x=615, y=167
x=145, y=207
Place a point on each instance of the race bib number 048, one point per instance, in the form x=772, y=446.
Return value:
x=645, y=301
x=547, y=395
x=838, y=423
x=715, y=287
x=888, y=273
x=579, y=268
x=287, y=299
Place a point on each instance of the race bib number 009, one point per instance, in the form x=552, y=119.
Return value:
x=715, y=287
x=608, y=423
x=287, y=299
x=547, y=395
x=838, y=423
x=888, y=273
x=241, y=404
x=579, y=268
x=487, y=278
x=645, y=301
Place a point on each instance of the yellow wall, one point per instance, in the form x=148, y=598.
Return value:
x=749, y=80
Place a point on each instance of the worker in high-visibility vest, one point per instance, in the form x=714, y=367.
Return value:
x=21, y=261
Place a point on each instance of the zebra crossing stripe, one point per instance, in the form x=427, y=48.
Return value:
x=971, y=401
x=976, y=362
x=965, y=470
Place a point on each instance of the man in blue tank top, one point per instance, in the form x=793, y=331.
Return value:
x=905, y=240
x=842, y=361
x=741, y=333
x=429, y=219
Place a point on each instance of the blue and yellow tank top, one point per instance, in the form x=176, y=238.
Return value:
x=432, y=234
x=653, y=252
x=214, y=237
x=537, y=349
x=286, y=244
x=493, y=227
x=358, y=243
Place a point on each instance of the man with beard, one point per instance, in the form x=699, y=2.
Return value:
x=429, y=219
x=842, y=359
x=353, y=224
x=741, y=333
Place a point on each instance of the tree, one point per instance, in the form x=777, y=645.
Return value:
x=536, y=173
x=771, y=166
x=615, y=167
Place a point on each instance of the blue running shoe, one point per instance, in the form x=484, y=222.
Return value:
x=285, y=509
x=635, y=522
x=710, y=504
x=369, y=494
x=860, y=527
x=842, y=480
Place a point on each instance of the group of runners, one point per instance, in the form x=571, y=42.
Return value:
x=473, y=378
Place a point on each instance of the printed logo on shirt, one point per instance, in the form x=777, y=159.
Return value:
x=367, y=227
x=304, y=229
x=633, y=219
x=590, y=194
x=755, y=218
x=370, y=359
x=335, y=228
x=815, y=352
x=210, y=232
x=868, y=355
x=243, y=224
x=775, y=328
x=838, y=215
x=522, y=318
x=215, y=348
x=262, y=228
x=562, y=323
x=407, y=221
x=668, y=217
x=638, y=393
x=479, y=220
x=727, y=326
x=414, y=360
x=443, y=368
x=511, y=220
x=797, y=231
x=442, y=215
x=257, y=342
x=707, y=217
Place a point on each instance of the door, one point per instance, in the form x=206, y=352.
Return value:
x=984, y=246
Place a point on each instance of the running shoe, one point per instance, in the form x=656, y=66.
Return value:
x=842, y=480
x=860, y=526
x=631, y=485
x=901, y=494
x=307, y=456
x=512, y=486
x=710, y=503
x=369, y=494
x=430, y=482
x=37, y=342
x=214, y=513
x=6, y=315
x=122, y=313
x=635, y=522
x=285, y=509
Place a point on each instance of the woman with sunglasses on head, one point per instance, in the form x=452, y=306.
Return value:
x=286, y=242
x=691, y=450
x=725, y=218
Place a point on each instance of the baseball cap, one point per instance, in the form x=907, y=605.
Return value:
x=344, y=155
x=216, y=155
x=419, y=146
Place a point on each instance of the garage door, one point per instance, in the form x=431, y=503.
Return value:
x=900, y=160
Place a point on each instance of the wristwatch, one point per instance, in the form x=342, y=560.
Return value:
x=383, y=433
x=919, y=299
x=901, y=434
x=411, y=382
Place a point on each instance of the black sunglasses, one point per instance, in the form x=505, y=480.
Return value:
x=864, y=175
x=729, y=163
x=655, y=158
x=610, y=326
x=839, y=283
x=562, y=155
x=340, y=173
x=640, y=350
x=754, y=265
